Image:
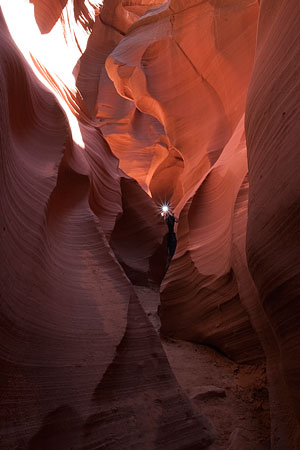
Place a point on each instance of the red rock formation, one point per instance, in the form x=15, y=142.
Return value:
x=272, y=126
x=134, y=137
x=80, y=97
x=137, y=139
x=140, y=223
x=199, y=99
x=200, y=294
x=198, y=96
x=80, y=365
x=147, y=98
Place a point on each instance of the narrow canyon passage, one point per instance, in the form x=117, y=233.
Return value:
x=108, y=110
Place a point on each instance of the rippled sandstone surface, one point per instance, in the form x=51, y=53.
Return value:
x=106, y=112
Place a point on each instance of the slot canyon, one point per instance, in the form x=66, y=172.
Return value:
x=109, y=110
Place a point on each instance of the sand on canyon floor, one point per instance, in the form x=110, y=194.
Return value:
x=232, y=396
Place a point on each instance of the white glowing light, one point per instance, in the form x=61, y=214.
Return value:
x=164, y=208
x=58, y=50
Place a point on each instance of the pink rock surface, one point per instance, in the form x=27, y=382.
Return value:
x=137, y=139
x=200, y=295
x=102, y=108
x=272, y=128
x=198, y=96
x=80, y=365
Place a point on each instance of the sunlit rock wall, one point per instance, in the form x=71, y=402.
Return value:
x=188, y=65
x=104, y=108
x=80, y=365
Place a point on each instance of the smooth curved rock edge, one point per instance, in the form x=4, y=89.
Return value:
x=66, y=204
x=80, y=364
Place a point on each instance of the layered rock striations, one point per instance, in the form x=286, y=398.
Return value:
x=272, y=129
x=200, y=296
x=81, y=366
x=108, y=111
x=188, y=65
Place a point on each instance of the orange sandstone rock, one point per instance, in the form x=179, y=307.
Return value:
x=272, y=129
x=80, y=364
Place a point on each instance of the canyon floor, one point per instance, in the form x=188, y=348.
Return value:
x=233, y=397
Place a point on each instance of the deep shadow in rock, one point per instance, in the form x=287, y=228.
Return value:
x=60, y=430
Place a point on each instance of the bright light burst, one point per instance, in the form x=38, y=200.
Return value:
x=164, y=208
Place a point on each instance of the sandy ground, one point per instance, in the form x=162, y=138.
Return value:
x=239, y=408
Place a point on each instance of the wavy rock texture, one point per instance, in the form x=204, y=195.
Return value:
x=139, y=223
x=199, y=98
x=79, y=81
x=80, y=365
x=160, y=66
x=200, y=295
x=144, y=98
x=137, y=139
x=272, y=125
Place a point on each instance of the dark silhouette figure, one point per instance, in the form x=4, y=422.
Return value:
x=172, y=241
